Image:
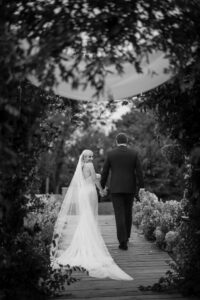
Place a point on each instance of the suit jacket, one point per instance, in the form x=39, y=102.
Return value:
x=126, y=171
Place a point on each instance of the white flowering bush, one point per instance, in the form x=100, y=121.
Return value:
x=158, y=220
x=167, y=222
x=171, y=239
x=138, y=218
x=159, y=236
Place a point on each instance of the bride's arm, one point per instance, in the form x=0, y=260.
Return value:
x=95, y=177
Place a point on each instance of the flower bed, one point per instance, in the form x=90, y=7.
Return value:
x=158, y=220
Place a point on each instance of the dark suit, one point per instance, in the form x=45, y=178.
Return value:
x=126, y=174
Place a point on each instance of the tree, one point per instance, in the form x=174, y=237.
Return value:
x=38, y=35
x=24, y=255
x=51, y=161
x=177, y=110
x=160, y=177
x=82, y=128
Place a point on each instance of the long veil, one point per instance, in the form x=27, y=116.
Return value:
x=77, y=240
x=69, y=214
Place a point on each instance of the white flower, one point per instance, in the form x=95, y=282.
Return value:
x=171, y=236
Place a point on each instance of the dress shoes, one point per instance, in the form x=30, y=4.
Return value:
x=123, y=246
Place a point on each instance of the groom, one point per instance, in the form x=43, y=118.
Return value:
x=125, y=168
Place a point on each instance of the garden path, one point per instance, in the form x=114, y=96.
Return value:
x=143, y=261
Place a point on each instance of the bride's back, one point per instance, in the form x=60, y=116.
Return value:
x=86, y=170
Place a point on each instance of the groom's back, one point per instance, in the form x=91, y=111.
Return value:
x=125, y=167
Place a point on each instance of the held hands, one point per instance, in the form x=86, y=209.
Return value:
x=103, y=192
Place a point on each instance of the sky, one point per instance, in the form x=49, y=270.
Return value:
x=120, y=111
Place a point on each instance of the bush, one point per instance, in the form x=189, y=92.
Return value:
x=26, y=270
x=45, y=218
x=158, y=220
x=25, y=267
x=171, y=239
x=173, y=153
x=159, y=236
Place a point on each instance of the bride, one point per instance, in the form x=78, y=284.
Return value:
x=77, y=240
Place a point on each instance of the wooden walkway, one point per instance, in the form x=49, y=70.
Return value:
x=143, y=261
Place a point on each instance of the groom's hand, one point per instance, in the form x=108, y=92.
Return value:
x=103, y=192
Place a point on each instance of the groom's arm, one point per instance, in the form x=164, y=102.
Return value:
x=105, y=172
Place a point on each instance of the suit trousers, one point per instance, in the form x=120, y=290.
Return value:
x=122, y=204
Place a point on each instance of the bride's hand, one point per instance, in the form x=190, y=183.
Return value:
x=98, y=176
x=103, y=193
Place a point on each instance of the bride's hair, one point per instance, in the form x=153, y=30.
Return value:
x=85, y=153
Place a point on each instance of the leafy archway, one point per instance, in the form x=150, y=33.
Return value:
x=53, y=28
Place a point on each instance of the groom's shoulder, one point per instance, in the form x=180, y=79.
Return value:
x=111, y=152
x=116, y=150
x=133, y=151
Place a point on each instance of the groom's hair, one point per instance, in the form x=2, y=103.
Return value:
x=122, y=138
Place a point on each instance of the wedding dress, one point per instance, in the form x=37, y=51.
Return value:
x=77, y=240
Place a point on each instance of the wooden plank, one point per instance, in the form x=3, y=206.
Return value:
x=143, y=261
x=136, y=297
x=115, y=294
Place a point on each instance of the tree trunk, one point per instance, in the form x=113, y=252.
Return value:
x=47, y=185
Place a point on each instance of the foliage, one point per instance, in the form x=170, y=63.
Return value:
x=178, y=116
x=162, y=178
x=184, y=272
x=52, y=161
x=189, y=246
x=177, y=109
x=173, y=153
x=44, y=218
x=26, y=271
x=85, y=130
x=162, y=222
x=79, y=140
x=38, y=36
x=44, y=35
x=24, y=138
x=158, y=220
x=24, y=251
x=92, y=139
